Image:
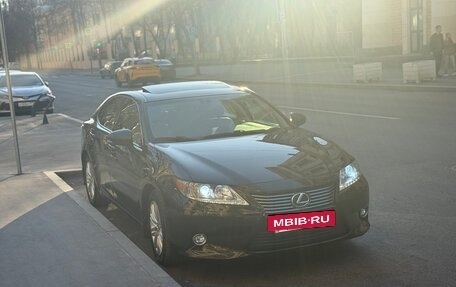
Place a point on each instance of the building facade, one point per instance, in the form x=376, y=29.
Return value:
x=82, y=33
x=404, y=26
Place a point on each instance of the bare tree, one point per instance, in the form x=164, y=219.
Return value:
x=20, y=28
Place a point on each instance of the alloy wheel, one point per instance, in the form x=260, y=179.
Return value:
x=156, y=229
x=90, y=181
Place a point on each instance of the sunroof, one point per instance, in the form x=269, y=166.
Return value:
x=185, y=86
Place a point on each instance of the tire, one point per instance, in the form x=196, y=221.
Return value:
x=91, y=184
x=118, y=83
x=163, y=251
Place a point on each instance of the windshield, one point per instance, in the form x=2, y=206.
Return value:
x=163, y=62
x=210, y=117
x=144, y=62
x=22, y=81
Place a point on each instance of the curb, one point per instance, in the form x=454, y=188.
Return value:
x=156, y=273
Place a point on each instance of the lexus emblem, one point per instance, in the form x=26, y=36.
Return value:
x=300, y=199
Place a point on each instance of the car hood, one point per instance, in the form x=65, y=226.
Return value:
x=25, y=92
x=293, y=155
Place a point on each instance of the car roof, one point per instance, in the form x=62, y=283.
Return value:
x=137, y=58
x=187, y=90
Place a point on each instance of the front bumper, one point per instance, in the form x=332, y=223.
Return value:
x=236, y=231
x=27, y=106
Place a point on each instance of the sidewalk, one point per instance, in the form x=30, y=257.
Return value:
x=49, y=234
x=42, y=147
x=324, y=74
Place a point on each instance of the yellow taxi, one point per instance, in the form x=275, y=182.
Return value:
x=137, y=70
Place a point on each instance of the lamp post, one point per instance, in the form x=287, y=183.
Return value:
x=10, y=92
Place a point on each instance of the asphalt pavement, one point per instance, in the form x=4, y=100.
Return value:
x=49, y=234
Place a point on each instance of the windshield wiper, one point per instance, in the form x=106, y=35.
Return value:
x=173, y=139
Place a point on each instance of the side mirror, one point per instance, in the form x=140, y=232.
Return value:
x=122, y=137
x=46, y=83
x=297, y=119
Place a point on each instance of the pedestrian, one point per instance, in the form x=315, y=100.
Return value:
x=449, y=54
x=436, y=47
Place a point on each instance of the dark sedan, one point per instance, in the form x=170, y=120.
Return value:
x=214, y=171
x=109, y=68
x=30, y=93
x=167, y=69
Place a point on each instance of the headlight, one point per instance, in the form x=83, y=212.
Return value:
x=349, y=175
x=45, y=96
x=220, y=194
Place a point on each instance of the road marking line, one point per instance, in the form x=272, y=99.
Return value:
x=341, y=113
x=58, y=181
x=70, y=118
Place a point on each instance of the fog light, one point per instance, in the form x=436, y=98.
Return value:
x=363, y=213
x=199, y=239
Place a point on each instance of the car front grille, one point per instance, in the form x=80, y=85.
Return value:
x=320, y=199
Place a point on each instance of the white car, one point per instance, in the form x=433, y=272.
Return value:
x=30, y=93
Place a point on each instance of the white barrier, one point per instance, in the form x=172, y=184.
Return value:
x=368, y=72
x=418, y=71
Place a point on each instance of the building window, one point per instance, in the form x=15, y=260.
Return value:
x=416, y=25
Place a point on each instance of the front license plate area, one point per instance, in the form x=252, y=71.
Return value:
x=25, y=104
x=304, y=220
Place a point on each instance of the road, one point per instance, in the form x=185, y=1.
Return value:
x=405, y=143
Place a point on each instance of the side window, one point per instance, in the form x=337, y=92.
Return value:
x=107, y=115
x=129, y=119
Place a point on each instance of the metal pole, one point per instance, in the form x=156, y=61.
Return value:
x=10, y=92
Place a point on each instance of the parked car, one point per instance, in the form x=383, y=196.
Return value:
x=30, y=93
x=211, y=170
x=137, y=70
x=167, y=69
x=109, y=68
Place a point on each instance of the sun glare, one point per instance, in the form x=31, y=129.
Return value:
x=110, y=25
